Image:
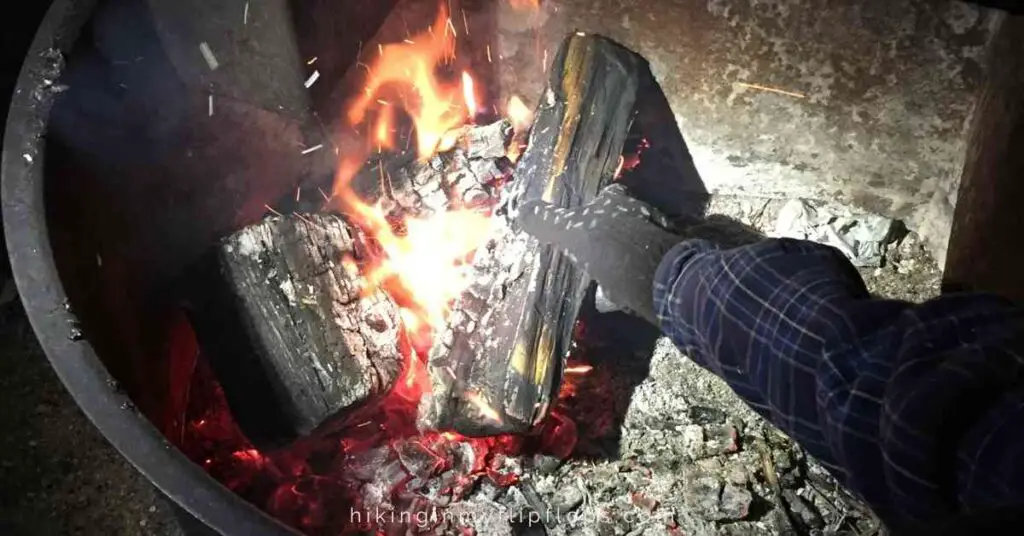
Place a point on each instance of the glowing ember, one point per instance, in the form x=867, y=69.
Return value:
x=618, y=168
x=383, y=131
x=525, y=5
x=409, y=66
x=579, y=369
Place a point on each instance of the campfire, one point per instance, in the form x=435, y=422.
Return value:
x=366, y=365
x=283, y=233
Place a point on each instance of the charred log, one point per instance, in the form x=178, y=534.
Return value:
x=465, y=175
x=497, y=368
x=289, y=334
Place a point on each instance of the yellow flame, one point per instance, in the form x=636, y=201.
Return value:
x=468, y=93
x=409, y=65
x=482, y=406
x=525, y=5
x=519, y=114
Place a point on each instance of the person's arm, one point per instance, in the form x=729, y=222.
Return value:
x=919, y=409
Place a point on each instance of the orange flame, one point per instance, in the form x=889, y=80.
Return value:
x=525, y=5
x=426, y=267
x=482, y=406
x=519, y=114
x=429, y=264
x=469, y=94
x=409, y=65
x=382, y=132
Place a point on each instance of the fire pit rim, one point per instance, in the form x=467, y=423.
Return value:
x=39, y=285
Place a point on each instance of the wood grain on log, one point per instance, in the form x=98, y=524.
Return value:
x=291, y=338
x=496, y=370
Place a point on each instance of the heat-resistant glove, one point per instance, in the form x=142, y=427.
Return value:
x=616, y=239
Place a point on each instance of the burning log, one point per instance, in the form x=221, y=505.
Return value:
x=289, y=334
x=465, y=175
x=496, y=369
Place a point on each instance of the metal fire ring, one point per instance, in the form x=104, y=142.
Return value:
x=44, y=299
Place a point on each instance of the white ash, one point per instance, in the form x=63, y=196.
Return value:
x=489, y=141
x=312, y=79
x=905, y=269
x=690, y=460
x=862, y=236
x=207, y=52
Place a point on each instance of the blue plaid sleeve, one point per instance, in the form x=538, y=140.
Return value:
x=917, y=408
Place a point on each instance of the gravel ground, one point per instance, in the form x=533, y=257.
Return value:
x=59, y=475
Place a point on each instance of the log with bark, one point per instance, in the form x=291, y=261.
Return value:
x=496, y=370
x=288, y=332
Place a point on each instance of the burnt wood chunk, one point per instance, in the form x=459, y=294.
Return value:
x=497, y=368
x=464, y=175
x=291, y=337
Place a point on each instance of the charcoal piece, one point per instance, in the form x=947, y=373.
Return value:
x=702, y=496
x=289, y=335
x=417, y=460
x=502, y=375
x=567, y=499
x=463, y=182
x=721, y=440
x=545, y=465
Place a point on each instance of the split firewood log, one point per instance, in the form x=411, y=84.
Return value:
x=288, y=332
x=497, y=368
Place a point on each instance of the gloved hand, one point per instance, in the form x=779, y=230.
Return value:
x=618, y=240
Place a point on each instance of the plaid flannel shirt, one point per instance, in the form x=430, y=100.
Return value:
x=917, y=408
